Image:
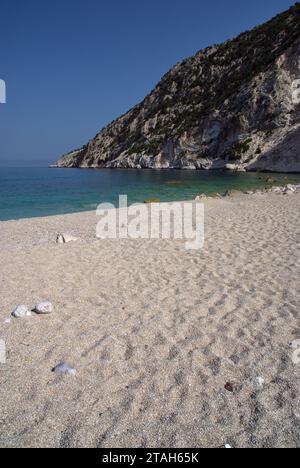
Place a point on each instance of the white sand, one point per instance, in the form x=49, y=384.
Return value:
x=154, y=332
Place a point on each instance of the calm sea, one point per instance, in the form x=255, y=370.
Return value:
x=31, y=192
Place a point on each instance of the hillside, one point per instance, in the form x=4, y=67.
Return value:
x=231, y=104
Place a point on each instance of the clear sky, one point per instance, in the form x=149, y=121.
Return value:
x=72, y=66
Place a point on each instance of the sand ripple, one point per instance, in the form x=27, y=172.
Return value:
x=155, y=332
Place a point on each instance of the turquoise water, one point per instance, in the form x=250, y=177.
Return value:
x=31, y=192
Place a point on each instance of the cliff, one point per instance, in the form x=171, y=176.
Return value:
x=232, y=105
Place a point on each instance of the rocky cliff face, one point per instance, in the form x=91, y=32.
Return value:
x=233, y=105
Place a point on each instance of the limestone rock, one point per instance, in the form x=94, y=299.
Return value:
x=64, y=369
x=288, y=192
x=231, y=193
x=65, y=238
x=44, y=308
x=235, y=168
x=21, y=311
x=201, y=197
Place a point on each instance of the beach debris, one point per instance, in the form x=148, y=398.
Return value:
x=43, y=308
x=227, y=446
x=7, y=319
x=65, y=238
x=64, y=369
x=21, y=311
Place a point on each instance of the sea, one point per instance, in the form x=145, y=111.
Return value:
x=27, y=192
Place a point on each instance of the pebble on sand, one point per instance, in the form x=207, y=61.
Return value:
x=64, y=369
x=21, y=311
x=201, y=197
x=260, y=381
x=44, y=308
x=230, y=387
x=65, y=238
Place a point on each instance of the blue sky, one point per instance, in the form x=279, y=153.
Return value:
x=72, y=66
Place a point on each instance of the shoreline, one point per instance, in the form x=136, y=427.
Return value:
x=201, y=197
x=158, y=335
x=248, y=171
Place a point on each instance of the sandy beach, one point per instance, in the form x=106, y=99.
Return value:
x=155, y=332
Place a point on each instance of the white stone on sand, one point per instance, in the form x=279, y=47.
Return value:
x=21, y=311
x=64, y=369
x=65, y=238
x=44, y=308
x=260, y=381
